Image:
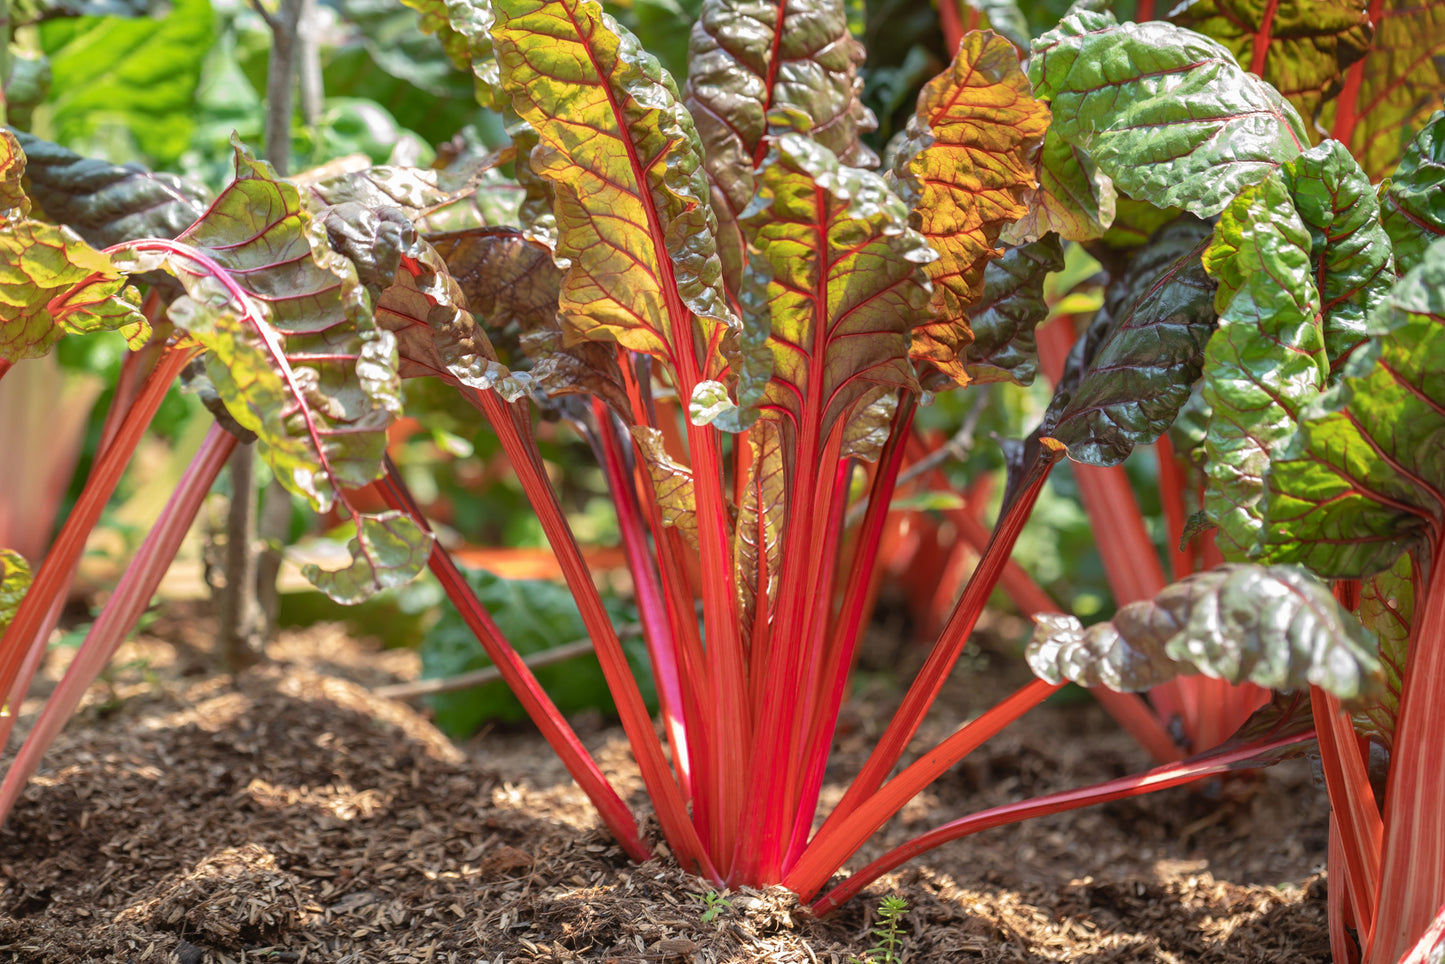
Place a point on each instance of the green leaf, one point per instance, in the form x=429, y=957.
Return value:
x=1004, y=18
x=630, y=193
x=1131, y=372
x=1300, y=47
x=389, y=549
x=1391, y=94
x=106, y=203
x=14, y=581
x=1387, y=606
x=1003, y=320
x=1166, y=113
x=1267, y=360
x=836, y=279
x=128, y=81
x=965, y=169
x=750, y=58
x=14, y=202
x=464, y=29
x=36, y=11
x=1275, y=626
x=1074, y=198
x=1412, y=202
x=1364, y=479
x=672, y=483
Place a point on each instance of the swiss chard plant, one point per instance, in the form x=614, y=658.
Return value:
x=741, y=309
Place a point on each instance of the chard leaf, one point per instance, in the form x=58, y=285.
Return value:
x=1003, y=320
x=1301, y=47
x=1074, y=198
x=1387, y=606
x=1267, y=360
x=463, y=27
x=135, y=77
x=758, y=543
x=836, y=272
x=749, y=58
x=14, y=581
x=415, y=192
x=1363, y=481
x=1004, y=18
x=1392, y=92
x=636, y=235
x=968, y=163
x=14, y=202
x=1275, y=626
x=1412, y=201
x=105, y=203
x=671, y=483
x=1350, y=254
x=1132, y=370
x=294, y=353
x=1165, y=112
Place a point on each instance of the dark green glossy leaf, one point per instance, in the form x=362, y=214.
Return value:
x=1387, y=606
x=1363, y=481
x=14, y=581
x=1266, y=361
x=1390, y=94
x=749, y=58
x=1275, y=626
x=1131, y=372
x=1003, y=320
x=964, y=171
x=1412, y=202
x=128, y=80
x=1301, y=47
x=1074, y=199
x=105, y=203
x=1165, y=112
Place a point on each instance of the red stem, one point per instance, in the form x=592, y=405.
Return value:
x=1159, y=778
x=520, y=680
x=952, y=25
x=1145, y=11
x=1352, y=804
x=1347, y=104
x=1263, y=38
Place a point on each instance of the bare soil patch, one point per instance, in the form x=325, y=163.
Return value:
x=289, y=815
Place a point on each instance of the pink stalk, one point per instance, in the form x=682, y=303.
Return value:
x=837, y=841
x=656, y=627
x=41, y=606
x=5, y=366
x=122, y=611
x=520, y=680
x=1413, y=883
x=1339, y=900
x=512, y=423
x=1354, y=817
x=1430, y=942
x=1159, y=778
x=945, y=652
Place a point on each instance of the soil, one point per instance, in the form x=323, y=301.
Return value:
x=290, y=815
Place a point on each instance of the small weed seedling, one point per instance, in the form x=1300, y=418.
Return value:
x=713, y=905
x=885, y=949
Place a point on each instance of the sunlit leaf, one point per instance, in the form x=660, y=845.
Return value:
x=1004, y=18
x=1167, y=113
x=14, y=203
x=749, y=58
x=1387, y=606
x=1074, y=199
x=14, y=581
x=758, y=537
x=388, y=551
x=1275, y=626
x=1412, y=202
x=1390, y=94
x=1301, y=47
x=464, y=29
x=1363, y=480
x=105, y=203
x=672, y=483
x=968, y=162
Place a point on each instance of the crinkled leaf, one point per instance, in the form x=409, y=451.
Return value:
x=749, y=58
x=388, y=551
x=1004, y=319
x=758, y=536
x=106, y=203
x=415, y=192
x=1390, y=94
x=836, y=273
x=1363, y=481
x=464, y=29
x=1165, y=112
x=133, y=78
x=1350, y=254
x=1412, y=201
x=635, y=234
x=968, y=162
x=1074, y=199
x=1266, y=361
x=871, y=425
x=1275, y=626
x=14, y=202
x=1387, y=606
x=51, y=283
x=14, y=581
x=1132, y=370
x=1301, y=47
x=671, y=483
